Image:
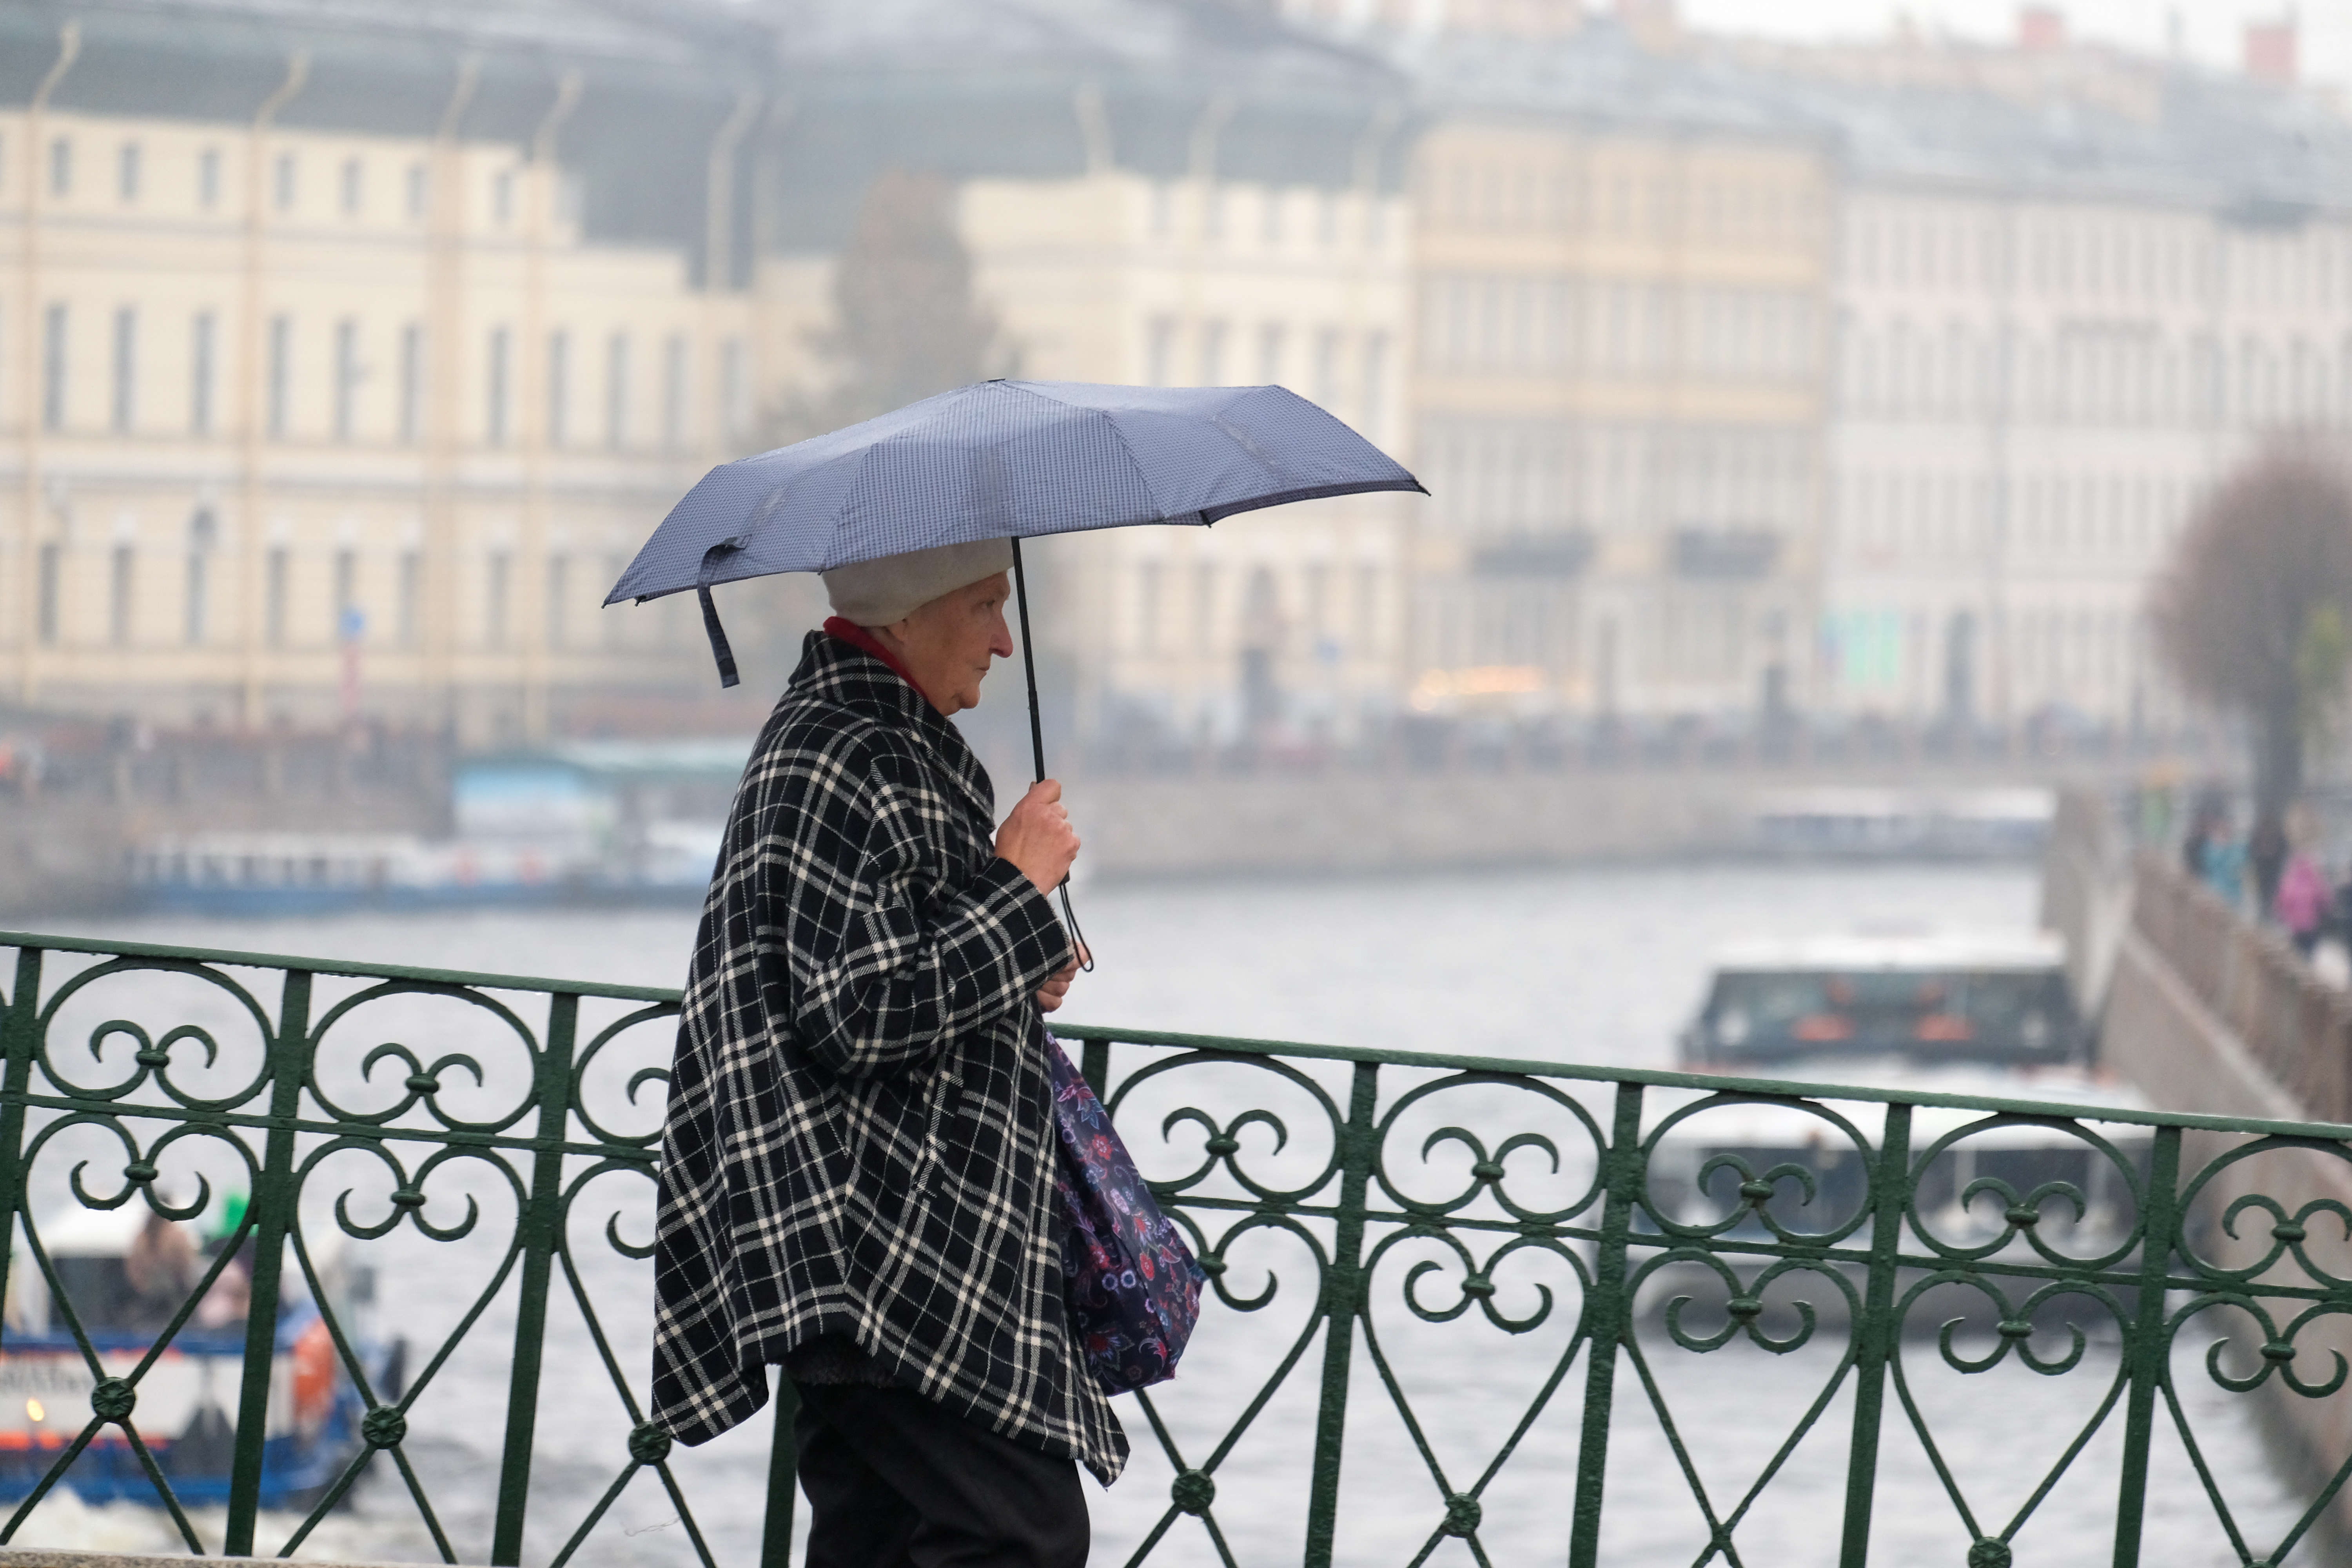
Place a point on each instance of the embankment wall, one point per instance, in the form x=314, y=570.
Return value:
x=2203, y=1012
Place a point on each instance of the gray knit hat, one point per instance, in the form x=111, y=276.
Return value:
x=878, y=592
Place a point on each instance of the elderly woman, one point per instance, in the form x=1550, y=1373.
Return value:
x=857, y=1168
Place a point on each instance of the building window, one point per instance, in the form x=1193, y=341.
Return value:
x=61, y=167
x=1146, y=618
x=412, y=582
x=118, y=596
x=201, y=532
x=202, y=332
x=53, y=368
x=284, y=183
x=1159, y=350
x=559, y=385
x=1327, y=366
x=494, y=607
x=354, y=186
x=273, y=602
x=1269, y=353
x=208, y=178
x=502, y=197
x=347, y=378
x=558, y=602
x=734, y=388
x=278, y=392
x=1376, y=387
x=416, y=190
x=494, y=419
x=1368, y=609
x=126, y=369
x=412, y=381
x=348, y=624
x=52, y=569
x=1212, y=353
x=674, y=383
x=617, y=390
x=126, y=172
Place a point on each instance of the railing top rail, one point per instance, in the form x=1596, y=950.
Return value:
x=338, y=966
x=1711, y=1082
x=1232, y=1046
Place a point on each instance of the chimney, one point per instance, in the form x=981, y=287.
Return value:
x=2040, y=30
x=2269, y=51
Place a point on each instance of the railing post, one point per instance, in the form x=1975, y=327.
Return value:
x=538, y=1231
x=2146, y=1351
x=1343, y=1295
x=1094, y=1066
x=274, y=1200
x=19, y=1024
x=1874, y=1338
x=1605, y=1316
x=783, y=1476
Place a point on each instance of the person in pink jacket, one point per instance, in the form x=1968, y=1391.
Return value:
x=2300, y=903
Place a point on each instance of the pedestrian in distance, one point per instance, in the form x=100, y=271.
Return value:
x=2222, y=861
x=2302, y=901
x=859, y=1163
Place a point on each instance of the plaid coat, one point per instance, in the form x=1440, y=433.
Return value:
x=860, y=1137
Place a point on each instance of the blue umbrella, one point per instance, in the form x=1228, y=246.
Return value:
x=1000, y=459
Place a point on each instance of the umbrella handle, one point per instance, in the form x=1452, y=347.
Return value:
x=1037, y=743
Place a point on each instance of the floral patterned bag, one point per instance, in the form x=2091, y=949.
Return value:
x=1132, y=1284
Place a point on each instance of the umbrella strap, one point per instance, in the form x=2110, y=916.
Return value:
x=1038, y=745
x=719, y=650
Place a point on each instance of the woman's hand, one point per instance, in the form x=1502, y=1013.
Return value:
x=1058, y=985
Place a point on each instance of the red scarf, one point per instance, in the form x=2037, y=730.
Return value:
x=857, y=637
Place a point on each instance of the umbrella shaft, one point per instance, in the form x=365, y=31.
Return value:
x=1028, y=662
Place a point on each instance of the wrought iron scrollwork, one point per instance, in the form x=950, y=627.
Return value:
x=1613, y=1236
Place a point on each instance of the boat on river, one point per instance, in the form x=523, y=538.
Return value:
x=1932, y=1014
x=124, y=1273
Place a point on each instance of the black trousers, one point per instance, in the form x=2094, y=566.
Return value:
x=894, y=1481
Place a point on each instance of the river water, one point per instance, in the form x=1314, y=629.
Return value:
x=1596, y=965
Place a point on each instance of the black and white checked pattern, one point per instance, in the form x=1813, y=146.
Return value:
x=860, y=1135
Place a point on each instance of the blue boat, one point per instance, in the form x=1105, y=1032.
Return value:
x=125, y=1272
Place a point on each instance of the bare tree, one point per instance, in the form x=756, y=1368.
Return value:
x=906, y=324
x=2252, y=615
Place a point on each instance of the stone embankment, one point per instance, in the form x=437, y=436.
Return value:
x=2204, y=1011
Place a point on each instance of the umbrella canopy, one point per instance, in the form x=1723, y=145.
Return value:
x=1005, y=459
x=1001, y=459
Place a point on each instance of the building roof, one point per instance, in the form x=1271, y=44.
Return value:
x=656, y=80
x=2087, y=124
x=1601, y=77
x=1007, y=88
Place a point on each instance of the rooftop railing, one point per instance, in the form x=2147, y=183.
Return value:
x=299, y=1241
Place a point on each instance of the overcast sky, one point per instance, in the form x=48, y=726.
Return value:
x=2208, y=29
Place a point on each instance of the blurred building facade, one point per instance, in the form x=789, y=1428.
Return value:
x=1166, y=195
x=346, y=350
x=347, y=357
x=1624, y=273
x=2073, y=289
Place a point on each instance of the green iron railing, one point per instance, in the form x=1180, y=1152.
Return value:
x=1413, y=1258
